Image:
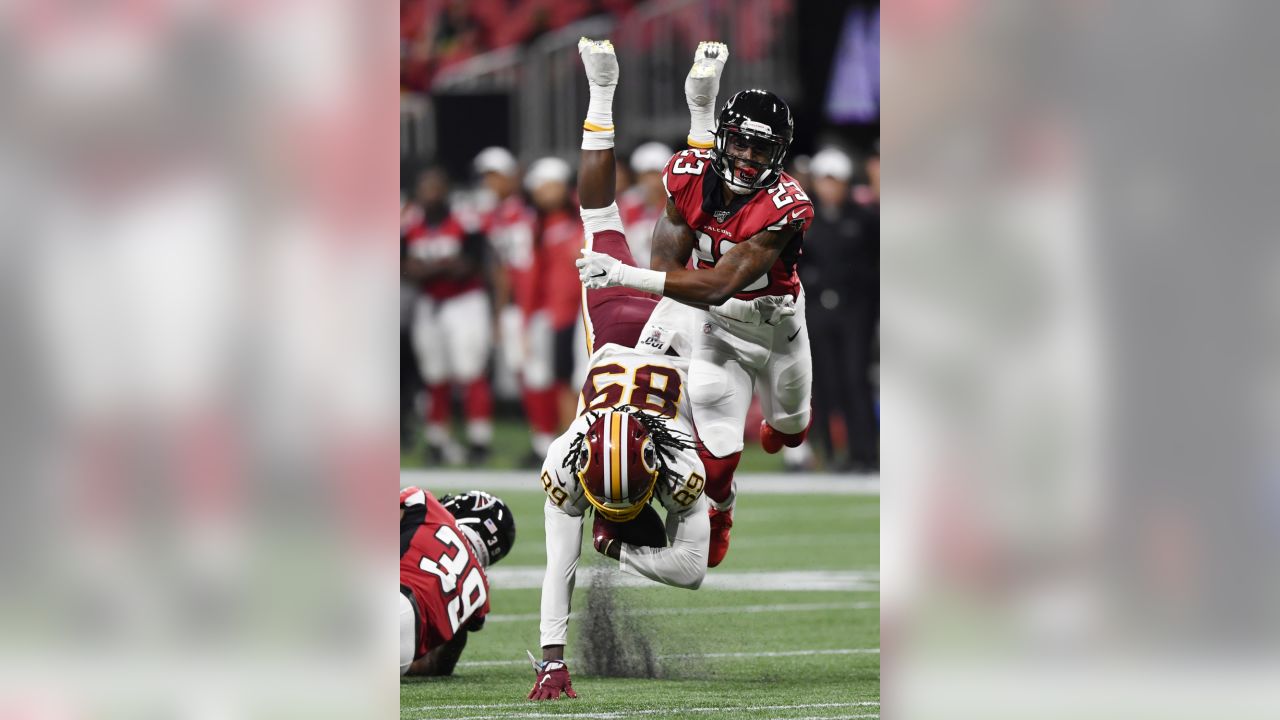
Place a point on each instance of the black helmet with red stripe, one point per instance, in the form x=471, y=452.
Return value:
x=488, y=517
x=752, y=123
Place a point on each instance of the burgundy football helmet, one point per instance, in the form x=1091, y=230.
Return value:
x=618, y=465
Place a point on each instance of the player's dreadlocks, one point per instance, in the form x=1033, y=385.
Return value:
x=666, y=441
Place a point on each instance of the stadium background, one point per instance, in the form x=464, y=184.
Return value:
x=482, y=73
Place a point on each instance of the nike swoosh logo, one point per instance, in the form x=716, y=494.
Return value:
x=600, y=274
x=797, y=213
x=793, y=335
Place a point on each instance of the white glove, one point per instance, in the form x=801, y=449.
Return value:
x=770, y=309
x=597, y=270
x=744, y=311
x=774, y=309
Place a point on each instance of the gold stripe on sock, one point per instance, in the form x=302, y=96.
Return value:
x=596, y=128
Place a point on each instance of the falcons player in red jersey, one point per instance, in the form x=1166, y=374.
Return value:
x=524, y=325
x=445, y=546
x=733, y=211
x=452, y=328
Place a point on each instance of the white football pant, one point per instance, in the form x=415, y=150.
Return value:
x=526, y=347
x=453, y=337
x=731, y=358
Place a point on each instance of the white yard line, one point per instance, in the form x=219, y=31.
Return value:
x=646, y=612
x=610, y=714
x=694, y=656
x=529, y=577
x=749, y=483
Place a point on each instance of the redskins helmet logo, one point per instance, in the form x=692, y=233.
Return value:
x=617, y=466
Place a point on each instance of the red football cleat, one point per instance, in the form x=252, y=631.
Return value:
x=721, y=521
x=773, y=440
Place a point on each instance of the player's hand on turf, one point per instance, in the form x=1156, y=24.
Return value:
x=597, y=270
x=553, y=679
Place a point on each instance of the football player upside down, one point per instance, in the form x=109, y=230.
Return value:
x=633, y=440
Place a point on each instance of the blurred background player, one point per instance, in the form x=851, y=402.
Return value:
x=445, y=547
x=525, y=335
x=644, y=202
x=452, y=327
x=742, y=219
x=841, y=272
x=558, y=239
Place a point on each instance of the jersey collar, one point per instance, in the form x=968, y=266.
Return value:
x=712, y=193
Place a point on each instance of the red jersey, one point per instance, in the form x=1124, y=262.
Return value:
x=694, y=187
x=450, y=590
x=510, y=228
x=638, y=219
x=560, y=244
x=445, y=240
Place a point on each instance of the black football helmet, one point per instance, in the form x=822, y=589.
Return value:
x=760, y=120
x=488, y=516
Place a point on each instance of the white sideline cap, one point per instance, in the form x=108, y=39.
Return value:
x=495, y=159
x=545, y=170
x=650, y=157
x=830, y=162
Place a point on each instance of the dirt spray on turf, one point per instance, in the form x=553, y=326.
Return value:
x=612, y=642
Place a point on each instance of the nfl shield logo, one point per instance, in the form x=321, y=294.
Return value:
x=721, y=215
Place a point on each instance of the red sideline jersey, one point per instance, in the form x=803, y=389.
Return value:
x=444, y=241
x=694, y=187
x=449, y=588
x=559, y=245
x=511, y=228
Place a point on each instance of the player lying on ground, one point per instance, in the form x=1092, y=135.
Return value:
x=445, y=546
x=732, y=208
x=631, y=442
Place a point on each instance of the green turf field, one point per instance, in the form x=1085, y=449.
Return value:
x=756, y=641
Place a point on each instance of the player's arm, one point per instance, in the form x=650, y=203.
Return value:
x=683, y=564
x=564, y=544
x=672, y=241
x=736, y=269
x=564, y=548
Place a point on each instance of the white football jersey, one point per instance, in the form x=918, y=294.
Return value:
x=656, y=384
